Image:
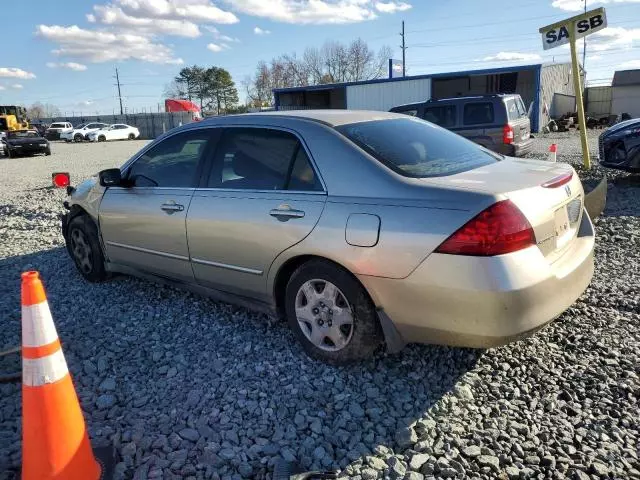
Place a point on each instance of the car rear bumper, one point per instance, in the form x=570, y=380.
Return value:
x=516, y=149
x=483, y=302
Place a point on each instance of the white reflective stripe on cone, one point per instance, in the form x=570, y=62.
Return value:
x=37, y=325
x=40, y=371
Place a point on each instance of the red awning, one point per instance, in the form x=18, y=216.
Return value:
x=175, y=105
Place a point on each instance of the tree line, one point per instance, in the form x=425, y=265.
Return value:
x=214, y=90
x=334, y=62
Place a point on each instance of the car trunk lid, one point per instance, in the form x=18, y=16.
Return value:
x=550, y=195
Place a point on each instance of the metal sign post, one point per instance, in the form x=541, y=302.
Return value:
x=568, y=31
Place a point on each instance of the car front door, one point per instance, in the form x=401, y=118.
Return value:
x=143, y=222
x=260, y=196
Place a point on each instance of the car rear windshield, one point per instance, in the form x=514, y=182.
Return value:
x=58, y=125
x=23, y=134
x=415, y=148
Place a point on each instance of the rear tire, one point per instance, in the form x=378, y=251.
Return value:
x=83, y=245
x=9, y=154
x=317, y=318
x=78, y=138
x=132, y=136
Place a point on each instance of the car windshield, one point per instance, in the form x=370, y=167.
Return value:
x=23, y=134
x=415, y=148
x=82, y=125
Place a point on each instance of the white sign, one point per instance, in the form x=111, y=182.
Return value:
x=585, y=24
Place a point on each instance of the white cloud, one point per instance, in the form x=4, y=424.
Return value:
x=193, y=10
x=260, y=31
x=17, y=86
x=308, y=11
x=81, y=43
x=86, y=103
x=78, y=67
x=578, y=5
x=214, y=47
x=629, y=65
x=1, y=87
x=618, y=38
x=219, y=36
x=392, y=7
x=510, y=56
x=9, y=72
x=116, y=17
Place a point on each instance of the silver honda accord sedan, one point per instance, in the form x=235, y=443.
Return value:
x=362, y=229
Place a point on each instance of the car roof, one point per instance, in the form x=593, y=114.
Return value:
x=329, y=117
x=474, y=97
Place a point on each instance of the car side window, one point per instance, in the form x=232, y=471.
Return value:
x=171, y=163
x=478, y=113
x=303, y=178
x=261, y=159
x=443, y=115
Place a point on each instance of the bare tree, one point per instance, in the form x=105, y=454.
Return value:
x=334, y=62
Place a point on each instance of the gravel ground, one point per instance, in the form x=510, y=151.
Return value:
x=189, y=388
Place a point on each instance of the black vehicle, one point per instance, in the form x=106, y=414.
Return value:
x=24, y=142
x=41, y=127
x=619, y=146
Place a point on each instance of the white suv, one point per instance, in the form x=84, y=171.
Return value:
x=81, y=132
x=56, y=129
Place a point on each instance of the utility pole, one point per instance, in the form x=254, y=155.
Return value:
x=403, y=47
x=119, y=94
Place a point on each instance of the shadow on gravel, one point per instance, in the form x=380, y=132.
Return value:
x=622, y=195
x=180, y=382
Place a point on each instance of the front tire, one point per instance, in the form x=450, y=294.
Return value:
x=102, y=138
x=47, y=152
x=331, y=314
x=78, y=138
x=83, y=245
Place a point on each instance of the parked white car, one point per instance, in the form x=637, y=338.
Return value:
x=56, y=129
x=79, y=133
x=118, y=131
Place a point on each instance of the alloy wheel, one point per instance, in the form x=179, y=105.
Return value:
x=81, y=250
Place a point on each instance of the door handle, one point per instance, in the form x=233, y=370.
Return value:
x=172, y=207
x=285, y=212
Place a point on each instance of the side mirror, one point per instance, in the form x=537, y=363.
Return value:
x=110, y=177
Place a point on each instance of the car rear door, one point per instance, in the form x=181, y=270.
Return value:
x=442, y=115
x=143, y=226
x=261, y=195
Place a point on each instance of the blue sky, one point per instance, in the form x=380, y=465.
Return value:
x=64, y=53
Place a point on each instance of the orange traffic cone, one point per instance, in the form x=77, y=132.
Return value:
x=55, y=443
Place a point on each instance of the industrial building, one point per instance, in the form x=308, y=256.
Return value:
x=540, y=86
x=625, y=95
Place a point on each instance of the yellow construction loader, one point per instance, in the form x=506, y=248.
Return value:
x=13, y=118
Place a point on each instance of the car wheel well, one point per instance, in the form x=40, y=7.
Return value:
x=287, y=269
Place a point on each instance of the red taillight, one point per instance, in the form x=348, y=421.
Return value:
x=559, y=180
x=60, y=179
x=499, y=229
x=507, y=134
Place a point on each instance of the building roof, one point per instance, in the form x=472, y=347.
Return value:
x=464, y=73
x=622, y=78
x=486, y=71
